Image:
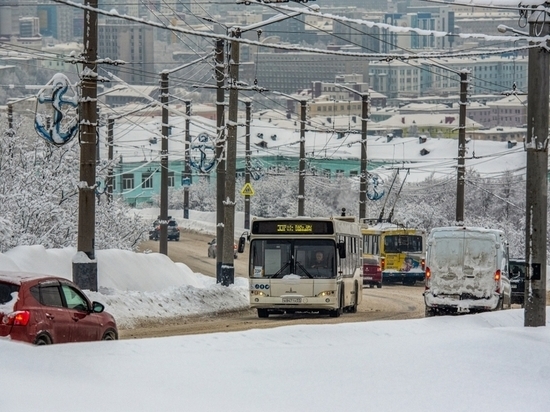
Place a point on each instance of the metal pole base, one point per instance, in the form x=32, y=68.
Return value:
x=227, y=276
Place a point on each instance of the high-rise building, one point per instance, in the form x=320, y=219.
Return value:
x=132, y=43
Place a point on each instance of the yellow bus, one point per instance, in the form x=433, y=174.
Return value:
x=399, y=251
x=305, y=264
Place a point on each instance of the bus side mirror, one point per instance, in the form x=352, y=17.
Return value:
x=242, y=243
x=342, y=250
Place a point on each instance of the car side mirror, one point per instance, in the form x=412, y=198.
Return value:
x=97, y=307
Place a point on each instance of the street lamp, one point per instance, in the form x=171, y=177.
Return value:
x=302, y=162
x=502, y=28
x=225, y=194
x=363, y=179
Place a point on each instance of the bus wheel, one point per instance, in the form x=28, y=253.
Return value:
x=263, y=313
x=335, y=313
x=353, y=308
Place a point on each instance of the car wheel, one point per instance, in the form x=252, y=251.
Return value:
x=428, y=313
x=110, y=335
x=43, y=340
x=263, y=313
x=379, y=285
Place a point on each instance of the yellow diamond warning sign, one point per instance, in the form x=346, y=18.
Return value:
x=247, y=190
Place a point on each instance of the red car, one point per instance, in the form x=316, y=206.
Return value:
x=372, y=272
x=44, y=309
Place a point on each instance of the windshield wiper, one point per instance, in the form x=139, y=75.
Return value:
x=303, y=269
x=280, y=271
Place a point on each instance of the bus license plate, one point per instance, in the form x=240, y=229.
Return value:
x=292, y=300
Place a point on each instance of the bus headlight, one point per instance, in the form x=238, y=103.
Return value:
x=326, y=293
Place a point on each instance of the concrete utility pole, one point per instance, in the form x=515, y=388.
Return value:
x=85, y=270
x=110, y=134
x=228, y=268
x=10, y=117
x=302, y=165
x=163, y=237
x=248, y=105
x=363, y=178
x=187, y=172
x=537, y=171
x=164, y=164
x=363, y=181
x=220, y=155
x=461, y=147
x=302, y=160
x=225, y=203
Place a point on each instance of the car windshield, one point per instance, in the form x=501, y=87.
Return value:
x=517, y=268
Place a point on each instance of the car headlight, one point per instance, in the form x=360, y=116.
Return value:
x=326, y=293
x=258, y=293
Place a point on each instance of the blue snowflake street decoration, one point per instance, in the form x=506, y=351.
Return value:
x=202, y=155
x=375, y=187
x=60, y=127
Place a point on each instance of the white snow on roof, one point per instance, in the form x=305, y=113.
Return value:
x=139, y=139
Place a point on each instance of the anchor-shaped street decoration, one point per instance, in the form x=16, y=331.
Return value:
x=60, y=127
x=202, y=155
x=375, y=187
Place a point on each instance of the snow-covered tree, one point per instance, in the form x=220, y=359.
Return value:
x=39, y=197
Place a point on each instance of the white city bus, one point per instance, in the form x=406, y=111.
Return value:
x=305, y=264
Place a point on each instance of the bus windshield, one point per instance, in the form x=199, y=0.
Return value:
x=307, y=258
x=402, y=244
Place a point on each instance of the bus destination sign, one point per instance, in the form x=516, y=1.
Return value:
x=295, y=228
x=290, y=227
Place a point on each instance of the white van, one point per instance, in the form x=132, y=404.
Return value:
x=466, y=270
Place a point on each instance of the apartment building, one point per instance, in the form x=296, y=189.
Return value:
x=492, y=74
x=132, y=43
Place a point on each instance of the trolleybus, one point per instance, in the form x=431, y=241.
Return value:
x=305, y=264
x=399, y=251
